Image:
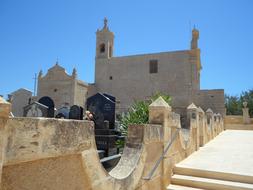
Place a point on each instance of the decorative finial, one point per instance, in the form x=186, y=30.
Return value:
x=74, y=73
x=195, y=37
x=105, y=23
x=57, y=60
x=40, y=74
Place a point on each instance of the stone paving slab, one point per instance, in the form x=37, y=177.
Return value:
x=230, y=152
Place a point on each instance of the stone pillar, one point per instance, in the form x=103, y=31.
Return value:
x=245, y=111
x=209, y=116
x=219, y=126
x=210, y=122
x=202, y=129
x=5, y=109
x=159, y=113
x=215, y=123
x=193, y=118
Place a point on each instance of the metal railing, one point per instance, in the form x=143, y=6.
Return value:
x=151, y=173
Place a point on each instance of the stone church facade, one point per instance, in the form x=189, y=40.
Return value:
x=62, y=88
x=138, y=77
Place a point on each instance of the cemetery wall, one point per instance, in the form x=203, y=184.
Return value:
x=58, y=154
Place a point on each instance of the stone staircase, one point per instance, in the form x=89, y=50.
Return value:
x=190, y=179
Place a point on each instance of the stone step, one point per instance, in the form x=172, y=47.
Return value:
x=210, y=184
x=179, y=187
x=212, y=174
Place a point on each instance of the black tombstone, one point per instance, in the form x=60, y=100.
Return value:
x=47, y=101
x=76, y=112
x=102, y=106
x=63, y=112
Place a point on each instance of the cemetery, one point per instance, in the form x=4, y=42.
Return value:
x=145, y=123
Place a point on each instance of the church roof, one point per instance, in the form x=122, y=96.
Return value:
x=57, y=67
x=19, y=90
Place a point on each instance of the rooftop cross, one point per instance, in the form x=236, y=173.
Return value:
x=105, y=23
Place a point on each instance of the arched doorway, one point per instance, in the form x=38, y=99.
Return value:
x=47, y=101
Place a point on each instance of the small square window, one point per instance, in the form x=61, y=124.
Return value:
x=110, y=78
x=153, y=66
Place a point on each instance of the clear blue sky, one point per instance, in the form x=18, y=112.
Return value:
x=33, y=33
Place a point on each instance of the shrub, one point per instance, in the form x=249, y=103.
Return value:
x=138, y=114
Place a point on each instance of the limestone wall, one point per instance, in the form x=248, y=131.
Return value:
x=235, y=122
x=211, y=99
x=64, y=89
x=19, y=99
x=128, y=77
x=39, y=153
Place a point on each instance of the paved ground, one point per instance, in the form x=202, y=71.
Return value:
x=231, y=152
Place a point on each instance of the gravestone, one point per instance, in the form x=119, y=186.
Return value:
x=76, y=112
x=35, y=109
x=102, y=106
x=63, y=112
x=47, y=101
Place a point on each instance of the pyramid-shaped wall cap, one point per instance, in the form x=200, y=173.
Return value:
x=160, y=102
x=218, y=114
x=3, y=101
x=200, y=110
x=209, y=110
x=192, y=106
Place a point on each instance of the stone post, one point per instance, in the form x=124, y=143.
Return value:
x=5, y=109
x=245, y=111
x=209, y=116
x=210, y=121
x=159, y=113
x=193, y=118
x=202, y=129
x=215, y=124
x=219, y=126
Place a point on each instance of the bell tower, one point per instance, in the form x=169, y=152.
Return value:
x=195, y=38
x=104, y=42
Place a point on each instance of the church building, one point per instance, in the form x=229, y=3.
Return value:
x=133, y=77
x=138, y=77
x=62, y=88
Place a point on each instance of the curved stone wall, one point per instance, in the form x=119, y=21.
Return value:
x=55, y=154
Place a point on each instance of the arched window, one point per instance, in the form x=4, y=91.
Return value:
x=102, y=48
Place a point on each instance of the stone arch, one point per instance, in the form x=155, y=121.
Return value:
x=102, y=48
x=47, y=101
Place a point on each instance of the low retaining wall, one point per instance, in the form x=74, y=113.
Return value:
x=235, y=122
x=56, y=154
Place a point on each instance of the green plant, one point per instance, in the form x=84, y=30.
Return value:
x=138, y=114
